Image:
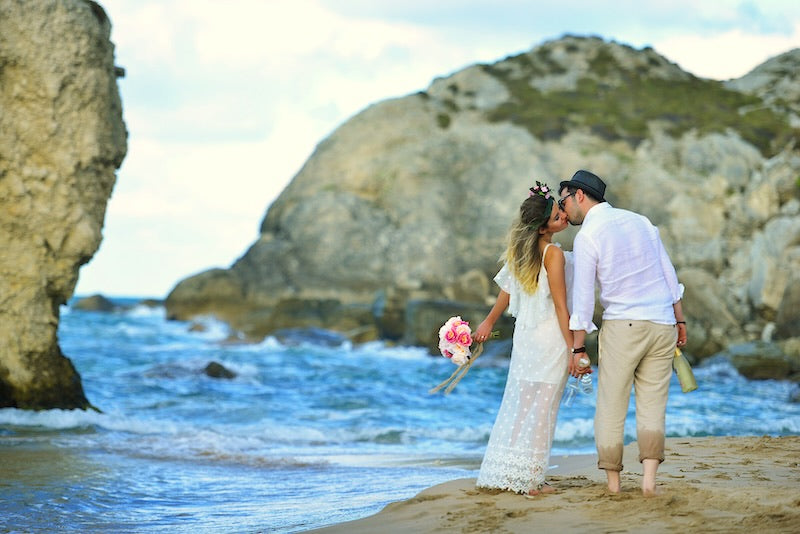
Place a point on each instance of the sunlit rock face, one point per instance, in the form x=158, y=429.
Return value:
x=62, y=138
x=406, y=205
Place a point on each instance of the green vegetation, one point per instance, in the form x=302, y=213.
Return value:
x=450, y=105
x=621, y=109
x=543, y=55
x=443, y=120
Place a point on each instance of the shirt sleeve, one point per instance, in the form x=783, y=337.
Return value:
x=675, y=288
x=585, y=258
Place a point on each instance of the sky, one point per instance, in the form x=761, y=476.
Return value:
x=225, y=100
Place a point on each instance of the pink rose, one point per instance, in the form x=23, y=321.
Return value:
x=465, y=339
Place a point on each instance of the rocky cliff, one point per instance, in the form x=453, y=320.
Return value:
x=406, y=205
x=61, y=140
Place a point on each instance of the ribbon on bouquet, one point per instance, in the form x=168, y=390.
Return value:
x=459, y=373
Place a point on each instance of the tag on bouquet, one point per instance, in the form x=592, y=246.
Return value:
x=684, y=372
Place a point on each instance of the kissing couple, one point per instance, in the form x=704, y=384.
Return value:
x=551, y=295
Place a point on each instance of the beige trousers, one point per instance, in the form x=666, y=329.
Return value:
x=637, y=353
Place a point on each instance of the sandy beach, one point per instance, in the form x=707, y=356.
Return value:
x=716, y=484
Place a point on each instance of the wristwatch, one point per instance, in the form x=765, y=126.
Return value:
x=578, y=350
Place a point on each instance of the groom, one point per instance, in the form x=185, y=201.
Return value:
x=642, y=321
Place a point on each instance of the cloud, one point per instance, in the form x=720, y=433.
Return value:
x=730, y=54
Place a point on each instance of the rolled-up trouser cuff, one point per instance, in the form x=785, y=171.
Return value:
x=651, y=443
x=608, y=466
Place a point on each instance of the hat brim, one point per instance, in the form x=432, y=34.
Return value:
x=580, y=185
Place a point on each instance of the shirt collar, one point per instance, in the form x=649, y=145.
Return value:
x=602, y=206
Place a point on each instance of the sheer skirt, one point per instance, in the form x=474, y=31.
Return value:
x=518, y=453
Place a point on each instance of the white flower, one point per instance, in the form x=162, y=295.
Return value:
x=460, y=354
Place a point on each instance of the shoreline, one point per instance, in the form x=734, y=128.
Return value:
x=713, y=484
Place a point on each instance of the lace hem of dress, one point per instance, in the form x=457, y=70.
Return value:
x=512, y=471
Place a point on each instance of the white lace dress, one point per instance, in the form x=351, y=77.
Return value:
x=518, y=452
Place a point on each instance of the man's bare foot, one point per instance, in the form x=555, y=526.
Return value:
x=653, y=491
x=650, y=467
x=614, y=484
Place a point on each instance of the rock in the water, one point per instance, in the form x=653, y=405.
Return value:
x=95, y=303
x=61, y=140
x=316, y=336
x=217, y=370
x=198, y=327
x=787, y=320
x=760, y=361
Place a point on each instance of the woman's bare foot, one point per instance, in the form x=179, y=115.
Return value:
x=545, y=488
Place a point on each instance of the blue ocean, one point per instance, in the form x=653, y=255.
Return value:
x=311, y=431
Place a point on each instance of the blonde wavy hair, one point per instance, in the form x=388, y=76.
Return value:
x=522, y=251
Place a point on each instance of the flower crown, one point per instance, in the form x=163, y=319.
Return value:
x=544, y=191
x=540, y=189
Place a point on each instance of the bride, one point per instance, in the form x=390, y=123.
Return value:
x=533, y=286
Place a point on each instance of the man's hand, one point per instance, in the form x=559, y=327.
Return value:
x=682, y=334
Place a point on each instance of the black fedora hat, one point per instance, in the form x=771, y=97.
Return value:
x=589, y=182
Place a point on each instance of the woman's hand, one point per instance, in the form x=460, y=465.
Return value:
x=483, y=332
x=575, y=368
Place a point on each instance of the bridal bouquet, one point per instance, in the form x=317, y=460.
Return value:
x=455, y=340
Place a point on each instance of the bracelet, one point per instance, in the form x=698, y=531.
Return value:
x=680, y=322
x=578, y=350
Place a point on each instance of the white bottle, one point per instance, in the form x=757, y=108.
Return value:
x=571, y=391
x=578, y=385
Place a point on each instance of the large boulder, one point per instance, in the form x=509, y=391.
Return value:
x=61, y=140
x=788, y=317
x=759, y=360
x=97, y=303
x=408, y=203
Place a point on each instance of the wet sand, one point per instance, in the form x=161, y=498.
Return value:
x=716, y=484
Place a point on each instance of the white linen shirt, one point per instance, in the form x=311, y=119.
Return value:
x=622, y=250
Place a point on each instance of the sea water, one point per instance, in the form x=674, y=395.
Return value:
x=311, y=431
